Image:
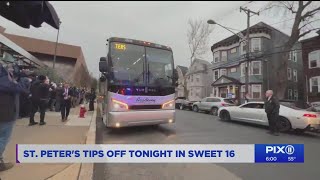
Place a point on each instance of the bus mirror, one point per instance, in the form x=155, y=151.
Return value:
x=103, y=66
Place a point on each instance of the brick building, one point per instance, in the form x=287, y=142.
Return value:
x=70, y=61
x=311, y=65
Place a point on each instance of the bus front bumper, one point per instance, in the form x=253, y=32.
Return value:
x=140, y=118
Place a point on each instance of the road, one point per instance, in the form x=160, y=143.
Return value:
x=201, y=128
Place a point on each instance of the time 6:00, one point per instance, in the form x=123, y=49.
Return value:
x=271, y=158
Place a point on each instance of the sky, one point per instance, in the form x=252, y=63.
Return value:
x=89, y=24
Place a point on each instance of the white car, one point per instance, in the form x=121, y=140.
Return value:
x=289, y=117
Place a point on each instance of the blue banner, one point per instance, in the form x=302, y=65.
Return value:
x=279, y=153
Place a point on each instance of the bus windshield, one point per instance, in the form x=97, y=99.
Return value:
x=130, y=63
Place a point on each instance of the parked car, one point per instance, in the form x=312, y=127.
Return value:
x=212, y=104
x=182, y=103
x=290, y=117
x=179, y=101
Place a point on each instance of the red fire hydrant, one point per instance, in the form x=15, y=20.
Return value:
x=83, y=111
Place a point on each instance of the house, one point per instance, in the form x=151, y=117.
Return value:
x=181, y=88
x=229, y=65
x=198, y=80
x=70, y=61
x=311, y=65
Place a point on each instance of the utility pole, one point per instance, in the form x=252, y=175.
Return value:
x=55, y=49
x=248, y=12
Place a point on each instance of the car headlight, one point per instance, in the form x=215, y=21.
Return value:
x=168, y=105
x=119, y=106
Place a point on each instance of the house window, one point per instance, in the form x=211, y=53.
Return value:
x=233, y=70
x=256, y=67
x=234, y=50
x=243, y=69
x=243, y=46
x=191, y=78
x=314, y=59
x=256, y=91
x=315, y=84
x=295, y=75
x=294, y=56
x=216, y=57
x=215, y=75
x=242, y=90
x=290, y=56
x=255, y=44
x=197, y=79
x=224, y=56
x=223, y=72
x=290, y=94
x=295, y=95
x=195, y=68
x=289, y=74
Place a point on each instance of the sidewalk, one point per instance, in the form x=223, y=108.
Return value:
x=73, y=131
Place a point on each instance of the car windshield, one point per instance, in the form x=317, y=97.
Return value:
x=229, y=101
x=160, y=67
x=290, y=105
x=314, y=109
x=127, y=63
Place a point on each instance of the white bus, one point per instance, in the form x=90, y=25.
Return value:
x=138, y=82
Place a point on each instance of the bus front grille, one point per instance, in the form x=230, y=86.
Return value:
x=145, y=107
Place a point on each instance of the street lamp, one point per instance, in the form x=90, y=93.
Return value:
x=55, y=50
x=210, y=21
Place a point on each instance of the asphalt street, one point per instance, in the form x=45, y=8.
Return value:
x=201, y=128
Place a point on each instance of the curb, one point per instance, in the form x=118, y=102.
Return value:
x=86, y=169
x=77, y=171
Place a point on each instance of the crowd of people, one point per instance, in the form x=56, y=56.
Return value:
x=23, y=94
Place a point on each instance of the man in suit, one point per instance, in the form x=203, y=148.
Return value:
x=65, y=97
x=272, y=108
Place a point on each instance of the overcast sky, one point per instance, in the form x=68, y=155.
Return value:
x=89, y=24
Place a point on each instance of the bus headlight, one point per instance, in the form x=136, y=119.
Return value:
x=168, y=105
x=119, y=106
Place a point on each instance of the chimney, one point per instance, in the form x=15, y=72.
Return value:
x=2, y=29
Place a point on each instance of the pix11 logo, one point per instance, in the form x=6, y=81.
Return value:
x=288, y=149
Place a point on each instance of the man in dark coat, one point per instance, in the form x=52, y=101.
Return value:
x=91, y=100
x=10, y=89
x=65, y=96
x=39, y=98
x=272, y=108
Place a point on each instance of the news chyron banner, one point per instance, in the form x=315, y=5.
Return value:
x=161, y=153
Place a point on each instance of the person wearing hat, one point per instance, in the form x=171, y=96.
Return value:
x=39, y=98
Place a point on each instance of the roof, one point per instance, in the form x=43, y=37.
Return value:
x=259, y=27
x=201, y=61
x=183, y=69
x=8, y=43
x=311, y=39
x=233, y=80
x=45, y=47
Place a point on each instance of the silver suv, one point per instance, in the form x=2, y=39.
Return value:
x=212, y=104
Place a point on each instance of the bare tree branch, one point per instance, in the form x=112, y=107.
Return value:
x=310, y=13
x=198, y=34
x=307, y=32
x=307, y=23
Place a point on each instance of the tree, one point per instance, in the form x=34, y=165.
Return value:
x=304, y=13
x=52, y=74
x=198, y=36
